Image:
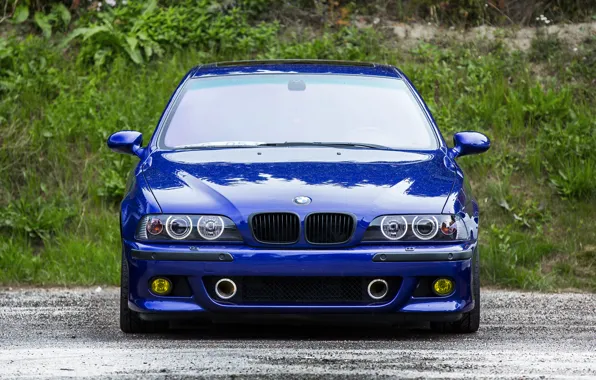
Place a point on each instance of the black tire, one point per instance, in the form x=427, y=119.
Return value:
x=130, y=321
x=470, y=322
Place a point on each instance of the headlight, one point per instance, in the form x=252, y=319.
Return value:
x=210, y=227
x=394, y=227
x=425, y=227
x=178, y=226
x=164, y=227
x=413, y=228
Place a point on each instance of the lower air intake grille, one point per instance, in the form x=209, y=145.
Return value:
x=279, y=227
x=327, y=228
x=303, y=290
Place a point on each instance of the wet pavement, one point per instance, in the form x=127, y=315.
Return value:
x=59, y=333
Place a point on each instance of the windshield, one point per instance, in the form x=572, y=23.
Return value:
x=275, y=109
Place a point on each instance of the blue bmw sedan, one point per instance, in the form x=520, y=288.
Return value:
x=298, y=189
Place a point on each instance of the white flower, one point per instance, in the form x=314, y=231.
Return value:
x=111, y=3
x=547, y=21
x=574, y=49
x=376, y=20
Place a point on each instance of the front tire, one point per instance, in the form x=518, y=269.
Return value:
x=470, y=322
x=130, y=321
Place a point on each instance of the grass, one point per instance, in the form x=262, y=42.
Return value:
x=60, y=186
x=86, y=255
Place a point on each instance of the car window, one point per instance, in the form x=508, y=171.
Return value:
x=249, y=110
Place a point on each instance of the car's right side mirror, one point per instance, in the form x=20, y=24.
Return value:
x=127, y=142
x=465, y=143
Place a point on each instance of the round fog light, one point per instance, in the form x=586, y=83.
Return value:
x=443, y=286
x=161, y=286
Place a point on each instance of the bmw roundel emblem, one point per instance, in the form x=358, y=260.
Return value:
x=302, y=200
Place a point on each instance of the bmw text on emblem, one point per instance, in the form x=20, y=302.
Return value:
x=302, y=200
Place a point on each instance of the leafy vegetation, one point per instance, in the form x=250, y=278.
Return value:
x=460, y=12
x=65, y=88
x=142, y=29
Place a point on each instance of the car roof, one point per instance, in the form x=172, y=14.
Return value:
x=291, y=66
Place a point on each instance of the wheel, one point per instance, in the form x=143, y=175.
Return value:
x=471, y=320
x=130, y=321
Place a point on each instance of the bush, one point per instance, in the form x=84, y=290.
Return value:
x=141, y=30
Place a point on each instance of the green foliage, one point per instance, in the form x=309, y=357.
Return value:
x=103, y=38
x=43, y=22
x=511, y=258
x=545, y=47
x=28, y=68
x=142, y=30
x=255, y=8
x=346, y=43
x=459, y=12
x=20, y=15
x=59, y=17
x=576, y=179
x=528, y=213
x=87, y=252
x=38, y=218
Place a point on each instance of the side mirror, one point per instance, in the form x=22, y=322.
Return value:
x=127, y=142
x=465, y=143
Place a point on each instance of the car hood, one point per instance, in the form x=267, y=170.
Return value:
x=240, y=182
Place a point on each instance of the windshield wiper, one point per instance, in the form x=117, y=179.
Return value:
x=255, y=144
x=223, y=144
x=330, y=144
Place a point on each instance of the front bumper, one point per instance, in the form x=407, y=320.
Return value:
x=148, y=261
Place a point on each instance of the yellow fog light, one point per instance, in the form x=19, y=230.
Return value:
x=443, y=286
x=161, y=286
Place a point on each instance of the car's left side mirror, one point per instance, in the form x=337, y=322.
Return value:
x=465, y=143
x=127, y=142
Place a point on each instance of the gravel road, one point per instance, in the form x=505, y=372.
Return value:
x=54, y=333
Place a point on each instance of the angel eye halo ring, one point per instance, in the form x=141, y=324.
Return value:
x=178, y=226
x=425, y=227
x=394, y=227
x=210, y=227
